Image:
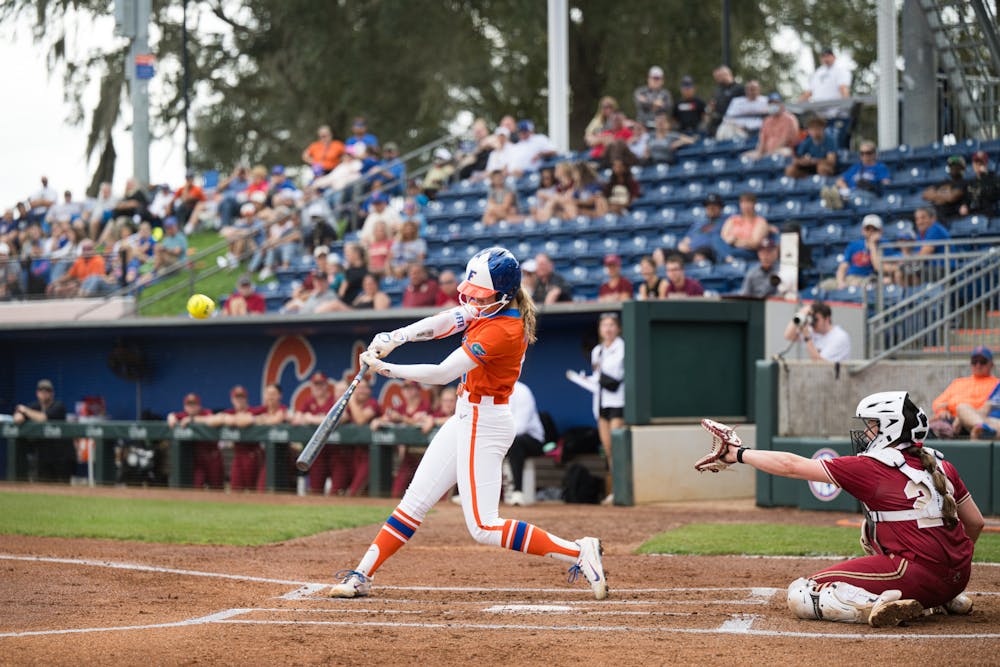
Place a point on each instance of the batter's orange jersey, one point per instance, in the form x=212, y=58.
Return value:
x=497, y=345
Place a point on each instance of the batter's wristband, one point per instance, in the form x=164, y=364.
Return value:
x=739, y=454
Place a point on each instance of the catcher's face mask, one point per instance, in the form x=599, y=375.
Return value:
x=863, y=437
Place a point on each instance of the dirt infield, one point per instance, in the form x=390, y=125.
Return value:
x=444, y=599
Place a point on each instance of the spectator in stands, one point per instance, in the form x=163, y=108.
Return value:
x=321, y=397
x=142, y=244
x=98, y=211
x=447, y=289
x=323, y=299
x=361, y=410
x=612, y=143
x=971, y=390
x=240, y=236
x=355, y=268
x=617, y=287
x=816, y=154
x=379, y=250
x=66, y=210
x=422, y=290
x=390, y=172
x=207, y=469
x=258, y=182
x=89, y=264
x=159, y=205
x=745, y=114
x=471, y=162
x=439, y=176
x=948, y=196
x=865, y=179
x=37, y=264
x=744, y=231
x=588, y=192
x=678, y=284
x=9, y=231
x=502, y=153
x=824, y=340
x=862, y=258
x=779, y=132
x=982, y=423
x=317, y=219
x=501, y=201
x=45, y=460
x=638, y=145
x=135, y=202
x=412, y=411
x=545, y=192
x=550, y=287
x=244, y=300
x=336, y=185
x=229, y=193
x=407, y=249
x=381, y=211
x=829, y=82
x=283, y=243
x=562, y=201
x=928, y=231
x=361, y=135
x=411, y=211
x=601, y=122
x=762, y=280
x=323, y=154
x=39, y=202
x=529, y=439
x=371, y=297
x=188, y=203
x=703, y=239
x=663, y=143
x=652, y=286
x=652, y=98
x=531, y=149
x=171, y=248
x=10, y=275
x=622, y=187
x=983, y=189
x=689, y=110
x=726, y=90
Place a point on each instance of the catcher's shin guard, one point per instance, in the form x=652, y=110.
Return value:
x=846, y=603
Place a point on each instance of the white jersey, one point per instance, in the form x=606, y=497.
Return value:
x=525, y=411
x=610, y=361
x=825, y=82
x=834, y=345
x=526, y=154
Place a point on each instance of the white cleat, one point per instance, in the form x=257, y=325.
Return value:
x=353, y=585
x=516, y=499
x=889, y=611
x=591, y=565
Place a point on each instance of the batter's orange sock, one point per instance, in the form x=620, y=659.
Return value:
x=396, y=531
x=526, y=537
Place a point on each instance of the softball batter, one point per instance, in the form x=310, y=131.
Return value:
x=498, y=318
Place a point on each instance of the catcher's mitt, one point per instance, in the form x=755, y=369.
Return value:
x=722, y=437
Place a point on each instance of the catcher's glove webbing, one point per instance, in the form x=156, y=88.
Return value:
x=722, y=437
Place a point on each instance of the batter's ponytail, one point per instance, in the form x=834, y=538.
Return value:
x=526, y=305
x=949, y=509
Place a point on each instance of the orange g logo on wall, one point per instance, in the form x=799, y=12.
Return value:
x=824, y=491
x=297, y=352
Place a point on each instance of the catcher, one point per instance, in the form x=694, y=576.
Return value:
x=920, y=521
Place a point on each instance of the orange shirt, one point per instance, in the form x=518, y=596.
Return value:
x=186, y=194
x=497, y=345
x=326, y=155
x=970, y=389
x=743, y=228
x=84, y=267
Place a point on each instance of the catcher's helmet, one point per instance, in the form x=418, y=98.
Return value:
x=900, y=422
x=491, y=271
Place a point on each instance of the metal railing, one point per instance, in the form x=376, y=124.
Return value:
x=934, y=305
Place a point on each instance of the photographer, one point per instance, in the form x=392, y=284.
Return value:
x=824, y=340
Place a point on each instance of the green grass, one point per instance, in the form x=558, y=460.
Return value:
x=176, y=521
x=214, y=286
x=778, y=540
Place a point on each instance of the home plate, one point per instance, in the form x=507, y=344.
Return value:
x=526, y=608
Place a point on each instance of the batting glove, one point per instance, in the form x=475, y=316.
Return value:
x=386, y=342
x=374, y=363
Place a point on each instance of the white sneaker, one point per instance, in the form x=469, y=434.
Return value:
x=516, y=499
x=609, y=499
x=353, y=585
x=889, y=611
x=265, y=273
x=591, y=566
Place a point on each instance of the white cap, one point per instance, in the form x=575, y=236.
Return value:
x=871, y=220
x=321, y=250
x=442, y=153
x=502, y=130
x=529, y=265
x=656, y=71
x=248, y=208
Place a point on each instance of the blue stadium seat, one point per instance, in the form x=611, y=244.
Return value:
x=971, y=226
x=824, y=235
x=827, y=264
x=851, y=294
x=893, y=231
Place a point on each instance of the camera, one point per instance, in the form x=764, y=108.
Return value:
x=803, y=319
x=775, y=280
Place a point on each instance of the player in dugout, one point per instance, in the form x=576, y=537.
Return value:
x=920, y=526
x=497, y=317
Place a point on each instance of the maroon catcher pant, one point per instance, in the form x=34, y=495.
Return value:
x=877, y=574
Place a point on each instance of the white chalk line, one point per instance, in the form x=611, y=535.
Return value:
x=201, y=620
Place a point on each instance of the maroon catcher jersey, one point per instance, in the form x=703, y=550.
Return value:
x=883, y=488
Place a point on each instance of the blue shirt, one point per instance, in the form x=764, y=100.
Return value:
x=859, y=260
x=818, y=151
x=705, y=234
x=870, y=178
x=936, y=232
x=368, y=139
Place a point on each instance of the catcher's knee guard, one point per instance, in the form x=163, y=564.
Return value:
x=838, y=601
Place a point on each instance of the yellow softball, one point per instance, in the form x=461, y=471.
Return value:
x=200, y=306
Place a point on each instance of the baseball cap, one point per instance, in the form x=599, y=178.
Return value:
x=978, y=351
x=170, y=222
x=190, y=173
x=244, y=280
x=248, y=208
x=502, y=130
x=321, y=250
x=980, y=156
x=827, y=51
x=318, y=377
x=390, y=146
x=529, y=266
x=686, y=82
x=774, y=97
x=871, y=220
x=712, y=198
x=442, y=153
x=380, y=198
x=192, y=398
x=238, y=390
x=612, y=259
x=525, y=126
x=360, y=122
x=47, y=384
x=656, y=72
x=956, y=159
x=278, y=170
x=767, y=243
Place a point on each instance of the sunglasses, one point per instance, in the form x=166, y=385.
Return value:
x=867, y=153
x=980, y=361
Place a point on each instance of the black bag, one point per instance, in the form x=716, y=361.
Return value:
x=579, y=486
x=579, y=440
